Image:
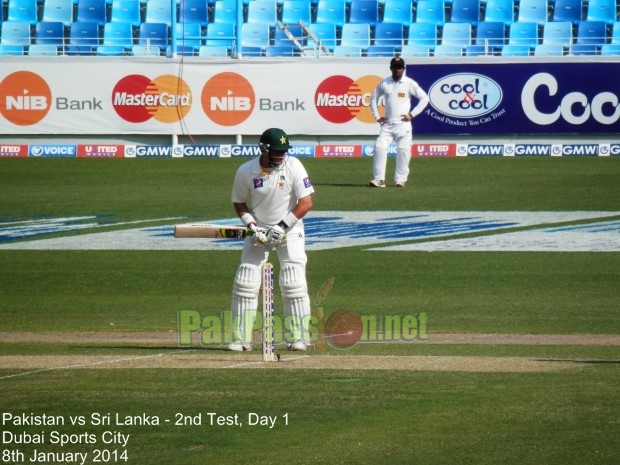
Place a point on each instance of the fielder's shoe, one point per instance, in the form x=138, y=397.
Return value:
x=376, y=183
x=400, y=184
x=299, y=345
x=239, y=346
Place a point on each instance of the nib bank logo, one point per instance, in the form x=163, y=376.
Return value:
x=340, y=99
x=25, y=98
x=137, y=99
x=228, y=99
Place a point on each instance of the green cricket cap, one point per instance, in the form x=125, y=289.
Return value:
x=276, y=139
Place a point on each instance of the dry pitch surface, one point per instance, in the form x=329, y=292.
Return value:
x=217, y=357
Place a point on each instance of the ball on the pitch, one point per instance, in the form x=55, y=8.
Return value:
x=343, y=329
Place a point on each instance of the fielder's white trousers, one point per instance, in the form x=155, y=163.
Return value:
x=399, y=133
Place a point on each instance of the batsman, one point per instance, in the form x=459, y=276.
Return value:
x=271, y=194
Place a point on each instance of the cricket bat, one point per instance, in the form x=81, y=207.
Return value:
x=210, y=231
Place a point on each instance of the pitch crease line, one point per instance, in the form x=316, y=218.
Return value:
x=68, y=367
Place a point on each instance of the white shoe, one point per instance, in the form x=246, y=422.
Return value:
x=299, y=345
x=239, y=346
x=376, y=183
x=400, y=184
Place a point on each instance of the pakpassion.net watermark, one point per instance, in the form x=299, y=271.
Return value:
x=341, y=329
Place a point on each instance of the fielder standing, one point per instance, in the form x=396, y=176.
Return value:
x=397, y=90
x=271, y=194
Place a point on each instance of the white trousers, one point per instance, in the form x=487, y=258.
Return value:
x=292, y=281
x=400, y=133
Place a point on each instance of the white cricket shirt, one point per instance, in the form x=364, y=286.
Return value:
x=271, y=193
x=397, y=95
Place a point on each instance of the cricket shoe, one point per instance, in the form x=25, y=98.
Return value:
x=400, y=184
x=376, y=183
x=299, y=345
x=239, y=347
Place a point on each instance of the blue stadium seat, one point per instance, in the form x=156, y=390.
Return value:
x=389, y=35
x=584, y=49
x=364, y=12
x=255, y=35
x=25, y=11
x=347, y=51
x=83, y=38
x=11, y=50
x=448, y=51
x=591, y=32
x=91, y=11
x=548, y=50
x=110, y=51
x=221, y=34
x=533, y=11
x=262, y=11
x=225, y=11
x=610, y=50
x=126, y=11
x=465, y=11
x=523, y=33
x=58, y=11
x=382, y=51
x=42, y=50
x=355, y=35
x=15, y=33
x=182, y=50
x=457, y=34
x=601, y=10
x=511, y=50
x=194, y=11
x=280, y=51
x=567, y=10
x=50, y=33
x=158, y=11
x=294, y=11
x=558, y=33
x=325, y=33
x=491, y=35
x=411, y=50
x=477, y=51
x=615, y=33
x=153, y=35
x=332, y=11
x=431, y=11
x=398, y=11
x=118, y=34
x=500, y=11
x=213, y=51
x=423, y=35
x=189, y=35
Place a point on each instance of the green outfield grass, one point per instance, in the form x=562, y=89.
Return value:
x=355, y=416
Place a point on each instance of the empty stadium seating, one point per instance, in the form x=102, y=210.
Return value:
x=377, y=28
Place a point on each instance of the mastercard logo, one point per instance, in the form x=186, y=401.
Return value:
x=137, y=99
x=228, y=99
x=340, y=99
x=25, y=98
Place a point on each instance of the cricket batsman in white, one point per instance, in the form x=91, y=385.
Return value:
x=271, y=194
x=397, y=91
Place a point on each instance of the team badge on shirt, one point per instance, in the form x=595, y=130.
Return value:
x=307, y=183
x=258, y=183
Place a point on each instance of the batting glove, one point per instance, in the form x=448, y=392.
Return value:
x=259, y=234
x=275, y=236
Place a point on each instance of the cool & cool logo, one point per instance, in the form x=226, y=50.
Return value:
x=137, y=99
x=465, y=95
x=339, y=99
x=26, y=98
